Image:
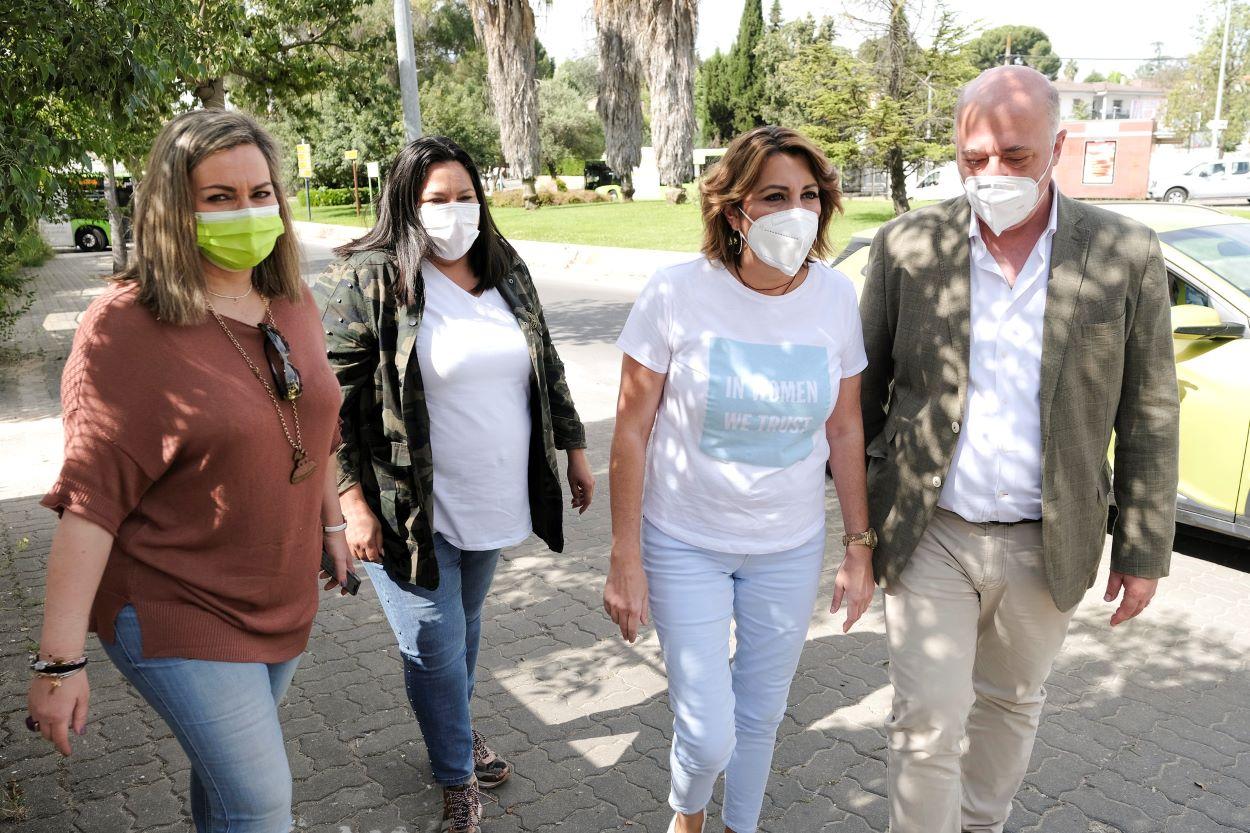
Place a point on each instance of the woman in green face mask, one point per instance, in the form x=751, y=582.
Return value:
x=197, y=493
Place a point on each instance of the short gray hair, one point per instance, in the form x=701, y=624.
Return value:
x=1052, y=94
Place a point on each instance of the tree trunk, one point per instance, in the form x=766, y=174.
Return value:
x=212, y=93
x=619, y=103
x=897, y=44
x=898, y=181
x=669, y=33
x=506, y=29
x=117, y=226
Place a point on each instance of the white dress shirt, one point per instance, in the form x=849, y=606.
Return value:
x=996, y=474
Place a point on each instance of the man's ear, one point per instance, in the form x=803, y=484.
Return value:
x=1060, y=138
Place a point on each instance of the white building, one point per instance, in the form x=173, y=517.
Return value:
x=1136, y=100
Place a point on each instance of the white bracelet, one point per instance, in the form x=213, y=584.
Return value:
x=331, y=529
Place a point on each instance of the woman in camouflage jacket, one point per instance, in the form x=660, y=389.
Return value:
x=454, y=406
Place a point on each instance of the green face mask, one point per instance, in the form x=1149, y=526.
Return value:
x=238, y=240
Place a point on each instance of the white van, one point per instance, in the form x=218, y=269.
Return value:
x=939, y=184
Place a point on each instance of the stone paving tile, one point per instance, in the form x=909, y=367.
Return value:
x=1146, y=728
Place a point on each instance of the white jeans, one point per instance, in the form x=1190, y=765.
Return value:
x=725, y=718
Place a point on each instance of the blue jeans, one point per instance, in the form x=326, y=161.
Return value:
x=225, y=716
x=725, y=715
x=438, y=632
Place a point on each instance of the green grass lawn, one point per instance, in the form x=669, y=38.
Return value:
x=649, y=224
x=342, y=215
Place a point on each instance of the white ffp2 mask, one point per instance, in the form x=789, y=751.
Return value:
x=783, y=239
x=451, y=226
x=1004, y=202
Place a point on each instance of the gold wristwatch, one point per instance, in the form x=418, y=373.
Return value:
x=868, y=539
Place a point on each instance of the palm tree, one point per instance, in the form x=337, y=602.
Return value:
x=506, y=29
x=668, y=33
x=620, y=88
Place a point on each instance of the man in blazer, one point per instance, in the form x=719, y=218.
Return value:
x=1009, y=332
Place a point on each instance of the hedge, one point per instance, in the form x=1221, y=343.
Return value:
x=331, y=196
x=515, y=198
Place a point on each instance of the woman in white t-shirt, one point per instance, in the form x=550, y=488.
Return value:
x=741, y=369
x=455, y=404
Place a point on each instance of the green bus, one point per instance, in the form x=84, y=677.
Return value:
x=88, y=222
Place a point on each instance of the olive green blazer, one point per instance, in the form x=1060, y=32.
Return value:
x=1107, y=366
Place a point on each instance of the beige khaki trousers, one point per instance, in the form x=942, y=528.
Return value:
x=973, y=633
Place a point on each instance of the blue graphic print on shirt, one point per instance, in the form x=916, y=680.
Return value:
x=765, y=402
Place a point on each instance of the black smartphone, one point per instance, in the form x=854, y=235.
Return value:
x=327, y=564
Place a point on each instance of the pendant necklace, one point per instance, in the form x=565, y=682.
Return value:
x=304, y=466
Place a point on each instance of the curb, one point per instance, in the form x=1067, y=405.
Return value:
x=609, y=266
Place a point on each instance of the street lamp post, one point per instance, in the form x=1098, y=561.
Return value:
x=408, y=95
x=1217, y=126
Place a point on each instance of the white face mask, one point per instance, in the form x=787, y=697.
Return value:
x=1004, y=202
x=784, y=239
x=451, y=227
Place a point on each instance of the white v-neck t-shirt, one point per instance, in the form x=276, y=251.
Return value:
x=475, y=367
x=737, y=457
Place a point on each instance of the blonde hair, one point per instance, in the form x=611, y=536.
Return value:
x=166, y=263
x=736, y=173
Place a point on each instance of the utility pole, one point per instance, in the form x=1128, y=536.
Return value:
x=1217, y=127
x=1007, y=54
x=407, y=54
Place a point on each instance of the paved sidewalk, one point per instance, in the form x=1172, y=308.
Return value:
x=1146, y=729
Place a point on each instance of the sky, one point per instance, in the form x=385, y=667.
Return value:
x=1103, y=35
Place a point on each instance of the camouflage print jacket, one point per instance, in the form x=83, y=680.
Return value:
x=385, y=424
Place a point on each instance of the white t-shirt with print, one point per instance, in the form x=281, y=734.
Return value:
x=737, y=456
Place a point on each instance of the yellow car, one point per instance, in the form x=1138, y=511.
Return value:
x=1208, y=262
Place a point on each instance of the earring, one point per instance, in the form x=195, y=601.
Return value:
x=738, y=241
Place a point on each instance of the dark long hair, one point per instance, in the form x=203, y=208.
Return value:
x=399, y=234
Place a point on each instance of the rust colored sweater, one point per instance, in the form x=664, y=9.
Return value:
x=173, y=446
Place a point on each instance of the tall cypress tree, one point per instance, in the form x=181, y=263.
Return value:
x=745, y=84
x=774, y=16
x=714, y=100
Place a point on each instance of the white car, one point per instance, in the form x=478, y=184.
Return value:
x=1224, y=180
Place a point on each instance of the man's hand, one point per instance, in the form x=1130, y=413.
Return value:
x=1137, y=594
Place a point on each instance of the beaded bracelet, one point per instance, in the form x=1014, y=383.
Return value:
x=56, y=667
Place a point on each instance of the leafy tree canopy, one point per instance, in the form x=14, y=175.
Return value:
x=1030, y=44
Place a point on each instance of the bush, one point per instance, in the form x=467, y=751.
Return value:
x=29, y=249
x=514, y=198
x=332, y=196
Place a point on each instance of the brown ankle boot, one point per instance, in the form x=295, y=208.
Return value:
x=462, y=809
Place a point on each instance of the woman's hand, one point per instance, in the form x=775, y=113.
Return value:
x=854, y=584
x=335, y=544
x=364, y=530
x=57, y=710
x=581, y=481
x=625, y=595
